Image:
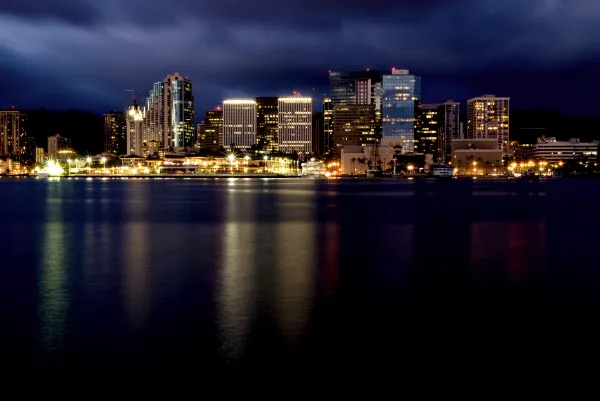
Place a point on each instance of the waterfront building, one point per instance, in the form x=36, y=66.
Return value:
x=114, y=133
x=401, y=92
x=12, y=129
x=354, y=125
x=554, y=151
x=39, y=155
x=327, y=142
x=295, y=124
x=267, y=124
x=28, y=151
x=449, y=125
x=428, y=131
x=477, y=156
x=134, y=120
x=56, y=144
x=213, y=130
x=317, y=133
x=200, y=135
x=488, y=118
x=239, y=123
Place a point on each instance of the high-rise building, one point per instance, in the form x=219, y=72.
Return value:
x=28, y=151
x=327, y=127
x=39, y=155
x=200, y=135
x=428, y=138
x=487, y=118
x=401, y=91
x=135, y=140
x=239, y=123
x=267, y=120
x=354, y=125
x=213, y=130
x=295, y=124
x=353, y=87
x=56, y=144
x=449, y=121
x=169, y=113
x=12, y=129
x=317, y=133
x=114, y=133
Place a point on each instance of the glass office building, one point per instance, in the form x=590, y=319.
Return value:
x=401, y=91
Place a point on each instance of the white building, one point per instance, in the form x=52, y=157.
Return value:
x=487, y=118
x=239, y=123
x=295, y=124
x=555, y=151
x=135, y=132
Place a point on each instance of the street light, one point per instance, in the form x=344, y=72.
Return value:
x=89, y=163
x=231, y=159
x=266, y=157
x=103, y=161
x=69, y=164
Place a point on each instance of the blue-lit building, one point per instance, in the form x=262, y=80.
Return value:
x=401, y=92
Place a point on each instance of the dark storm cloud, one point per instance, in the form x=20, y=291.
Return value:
x=92, y=51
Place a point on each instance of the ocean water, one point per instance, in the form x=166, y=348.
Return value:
x=267, y=275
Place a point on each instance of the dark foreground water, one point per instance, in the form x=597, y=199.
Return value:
x=182, y=276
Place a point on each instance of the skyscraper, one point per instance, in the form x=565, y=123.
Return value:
x=169, y=113
x=327, y=127
x=28, y=151
x=400, y=92
x=267, y=120
x=135, y=140
x=428, y=138
x=114, y=133
x=488, y=117
x=12, y=129
x=449, y=121
x=354, y=125
x=239, y=123
x=213, y=130
x=200, y=135
x=56, y=145
x=295, y=124
x=353, y=87
x=317, y=133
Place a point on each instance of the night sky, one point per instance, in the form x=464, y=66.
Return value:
x=83, y=54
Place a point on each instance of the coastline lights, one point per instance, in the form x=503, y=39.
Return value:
x=53, y=169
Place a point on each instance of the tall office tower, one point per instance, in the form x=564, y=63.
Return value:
x=428, y=138
x=295, y=124
x=327, y=127
x=318, y=124
x=488, y=117
x=135, y=118
x=169, y=113
x=353, y=125
x=12, y=129
x=239, y=123
x=200, y=135
x=267, y=120
x=449, y=122
x=114, y=133
x=57, y=143
x=353, y=87
x=401, y=91
x=28, y=151
x=213, y=130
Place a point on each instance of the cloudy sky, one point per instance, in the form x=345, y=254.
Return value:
x=84, y=53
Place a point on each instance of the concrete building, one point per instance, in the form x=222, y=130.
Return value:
x=428, y=139
x=554, y=151
x=327, y=127
x=449, y=124
x=477, y=156
x=295, y=124
x=114, y=133
x=353, y=125
x=134, y=142
x=12, y=129
x=239, y=123
x=401, y=91
x=39, y=155
x=200, y=135
x=213, y=129
x=488, y=118
x=56, y=144
x=267, y=124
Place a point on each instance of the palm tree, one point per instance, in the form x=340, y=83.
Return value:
x=353, y=160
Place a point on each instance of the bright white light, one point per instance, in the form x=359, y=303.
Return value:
x=103, y=160
x=239, y=101
x=266, y=157
x=231, y=158
x=89, y=160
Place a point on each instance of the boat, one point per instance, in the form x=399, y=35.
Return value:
x=441, y=170
x=375, y=172
x=314, y=169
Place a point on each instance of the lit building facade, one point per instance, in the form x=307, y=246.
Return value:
x=487, y=118
x=327, y=127
x=213, y=130
x=428, y=138
x=556, y=151
x=354, y=125
x=12, y=129
x=56, y=144
x=239, y=123
x=295, y=124
x=449, y=122
x=401, y=91
x=28, y=151
x=200, y=135
x=353, y=87
x=267, y=121
x=114, y=133
x=157, y=122
x=135, y=140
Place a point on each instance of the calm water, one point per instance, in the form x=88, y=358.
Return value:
x=278, y=275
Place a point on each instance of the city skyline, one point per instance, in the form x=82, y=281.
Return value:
x=463, y=48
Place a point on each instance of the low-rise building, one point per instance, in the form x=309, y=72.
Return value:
x=356, y=159
x=555, y=151
x=477, y=156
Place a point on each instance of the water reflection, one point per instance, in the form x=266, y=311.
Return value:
x=295, y=262
x=136, y=284
x=53, y=275
x=236, y=300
